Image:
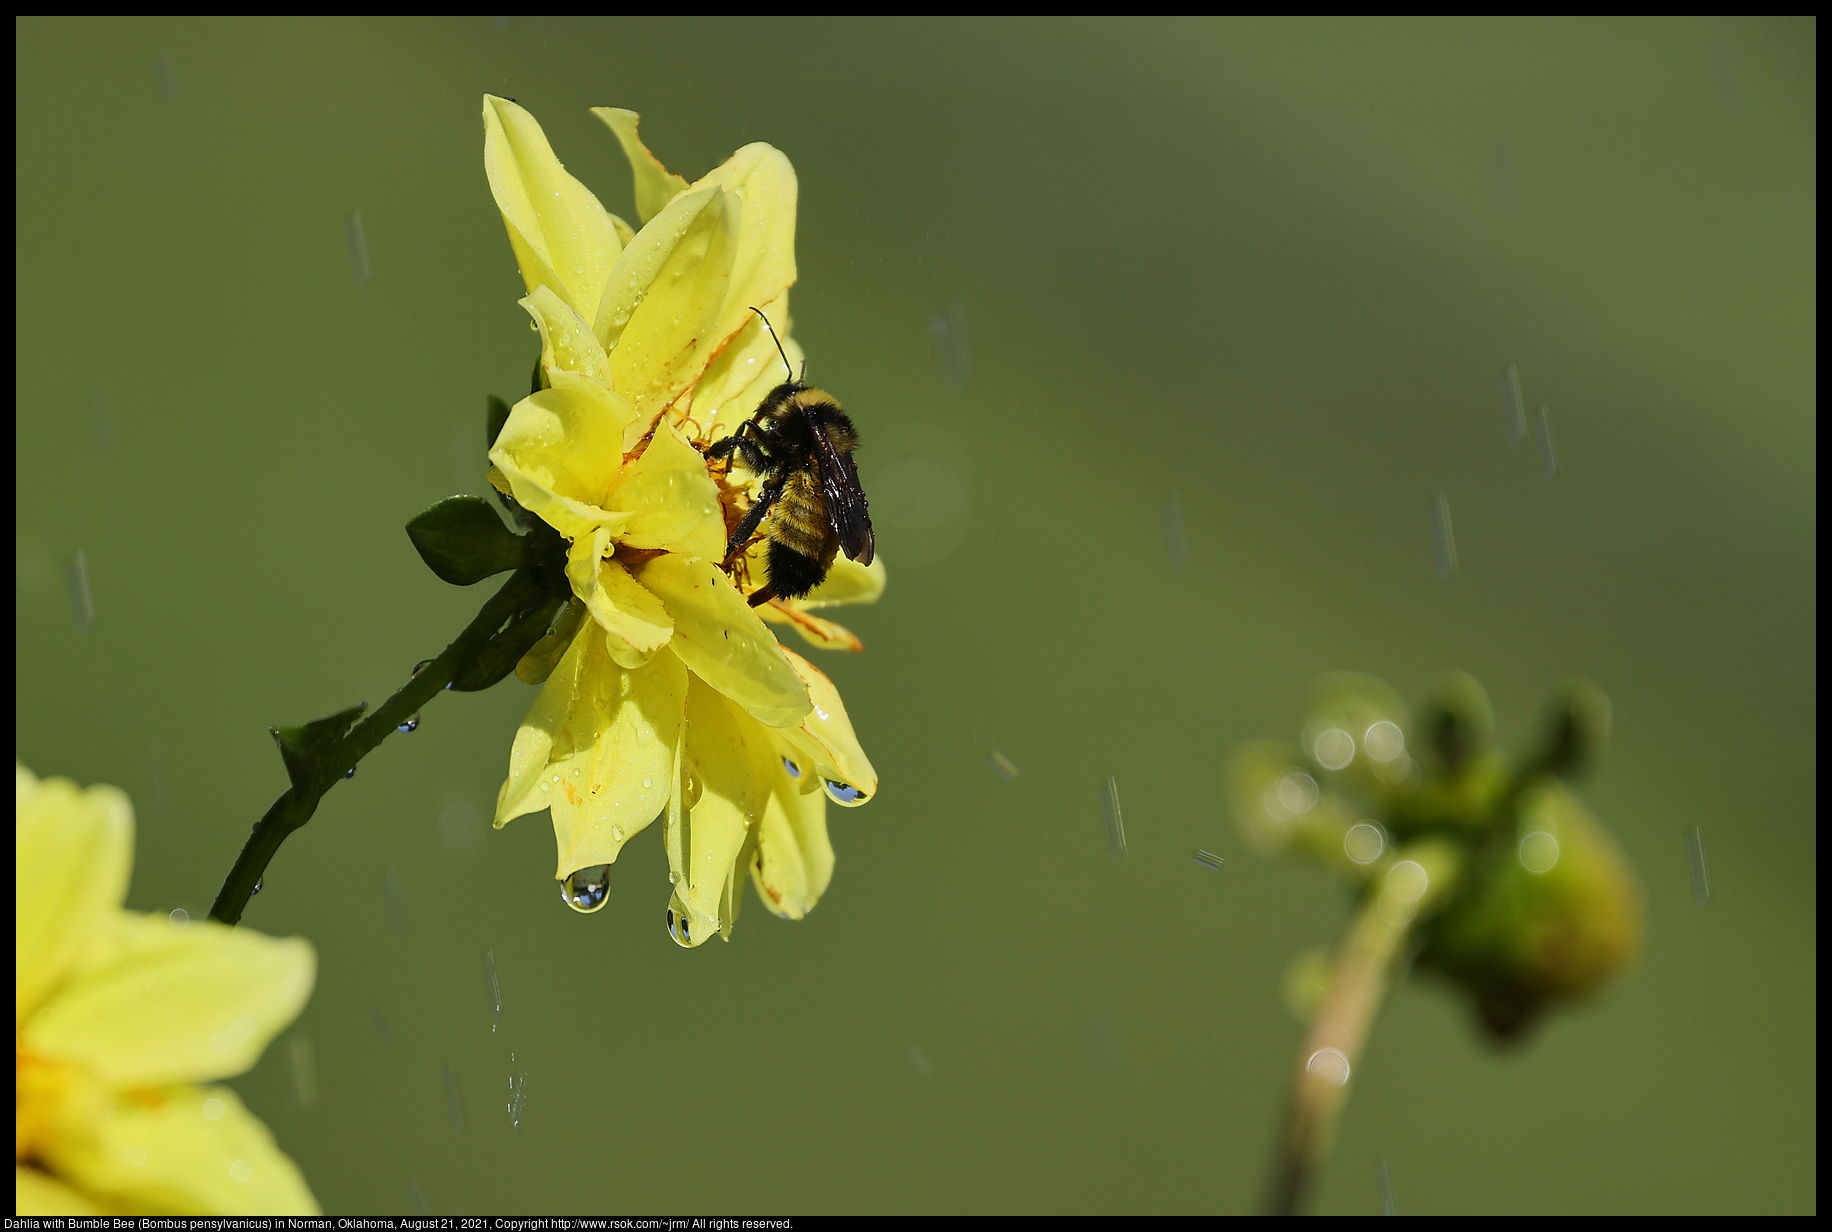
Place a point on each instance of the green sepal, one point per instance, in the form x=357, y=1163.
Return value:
x=1459, y=722
x=1577, y=732
x=495, y=415
x=463, y=541
x=498, y=656
x=302, y=748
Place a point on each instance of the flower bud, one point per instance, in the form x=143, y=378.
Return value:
x=1551, y=914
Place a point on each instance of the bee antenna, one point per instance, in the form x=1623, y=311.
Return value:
x=778, y=342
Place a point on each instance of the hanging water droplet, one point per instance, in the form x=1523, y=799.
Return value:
x=410, y=724
x=418, y=666
x=844, y=793
x=350, y=773
x=678, y=930
x=257, y=887
x=793, y=769
x=586, y=889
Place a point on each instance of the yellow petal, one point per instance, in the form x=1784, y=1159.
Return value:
x=150, y=1004
x=561, y=450
x=39, y=1193
x=539, y=662
x=562, y=237
x=734, y=761
x=656, y=186
x=663, y=304
x=673, y=502
x=761, y=180
x=823, y=634
x=795, y=859
x=848, y=582
x=744, y=372
x=521, y=790
x=182, y=1150
x=74, y=851
x=615, y=600
x=825, y=740
x=611, y=761
x=567, y=341
x=623, y=654
x=723, y=642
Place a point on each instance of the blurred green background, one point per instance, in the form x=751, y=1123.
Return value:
x=1163, y=338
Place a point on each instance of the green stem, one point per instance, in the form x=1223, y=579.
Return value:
x=1411, y=887
x=293, y=809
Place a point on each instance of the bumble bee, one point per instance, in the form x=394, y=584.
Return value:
x=801, y=442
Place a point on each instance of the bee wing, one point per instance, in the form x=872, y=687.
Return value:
x=845, y=500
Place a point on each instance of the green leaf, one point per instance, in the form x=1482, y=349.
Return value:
x=304, y=748
x=463, y=541
x=505, y=649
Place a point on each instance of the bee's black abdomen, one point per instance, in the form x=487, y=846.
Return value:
x=792, y=573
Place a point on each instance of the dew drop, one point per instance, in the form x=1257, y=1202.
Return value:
x=350, y=773
x=844, y=793
x=793, y=769
x=410, y=724
x=257, y=887
x=419, y=666
x=587, y=889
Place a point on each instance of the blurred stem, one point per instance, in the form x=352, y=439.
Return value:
x=1411, y=887
x=293, y=809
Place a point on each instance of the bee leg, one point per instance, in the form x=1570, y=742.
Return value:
x=743, y=446
x=762, y=595
x=754, y=518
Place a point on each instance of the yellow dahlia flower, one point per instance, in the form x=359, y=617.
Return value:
x=665, y=694
x=120, y=1014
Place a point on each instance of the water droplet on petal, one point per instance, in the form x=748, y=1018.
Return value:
x=587, y=889
x=844, y=793
x=793, y=769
